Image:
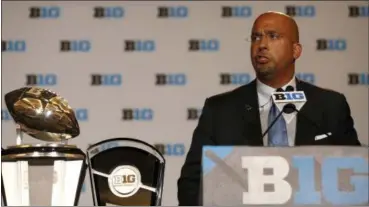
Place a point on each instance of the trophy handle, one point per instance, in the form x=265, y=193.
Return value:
x=19, y=134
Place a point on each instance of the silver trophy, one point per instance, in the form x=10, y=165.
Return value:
x=49, y=173
x=125, y=172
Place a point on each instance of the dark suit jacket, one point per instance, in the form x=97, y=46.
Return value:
x=226, y=121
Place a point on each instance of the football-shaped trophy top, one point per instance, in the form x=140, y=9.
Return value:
x=42, y=114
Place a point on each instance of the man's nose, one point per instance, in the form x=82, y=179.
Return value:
x=263, y=44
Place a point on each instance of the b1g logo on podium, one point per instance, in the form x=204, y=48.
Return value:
x=124, y=181
x=337, y=186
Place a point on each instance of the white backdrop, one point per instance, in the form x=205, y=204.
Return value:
x=32, y=46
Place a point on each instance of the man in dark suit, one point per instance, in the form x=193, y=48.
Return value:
x=239, y=117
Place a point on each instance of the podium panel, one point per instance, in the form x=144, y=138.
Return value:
x=289, y=176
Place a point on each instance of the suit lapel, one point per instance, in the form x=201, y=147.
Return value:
x=305, y=131
x=249, y=111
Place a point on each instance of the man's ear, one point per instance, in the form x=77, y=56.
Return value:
x=297, y=50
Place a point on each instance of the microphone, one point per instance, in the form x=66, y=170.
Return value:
x=285, y=101
x=290, y=107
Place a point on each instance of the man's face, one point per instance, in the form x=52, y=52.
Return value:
x=271, y=45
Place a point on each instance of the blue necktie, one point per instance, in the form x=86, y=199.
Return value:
x=277, y=135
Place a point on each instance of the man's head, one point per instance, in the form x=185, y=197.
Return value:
x=274, y=46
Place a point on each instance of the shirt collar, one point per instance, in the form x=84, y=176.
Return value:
x=265, y=91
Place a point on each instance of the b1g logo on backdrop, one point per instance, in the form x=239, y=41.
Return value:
x=236, y=11
x=194, y=113
x=168, y=149
x=13, y=46
x=115, y=12
x=113, y=79
x=137, y=114
x=234, y=78
x=307, y=77
x=139, y=46
x=172, y=12
x=48, y=79
x=358, y=11
x=203, y=45
x=331, y=44
x=174, y=79
x=75, y=46
x=330, y=177
x=81, y=114
x=44, y=12
x=358, y=78
x=300, y=11
x=5, y=115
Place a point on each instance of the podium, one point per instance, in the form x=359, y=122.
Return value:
x=286, y=176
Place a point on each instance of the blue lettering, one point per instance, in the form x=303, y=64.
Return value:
x=81, y=114
x=242, y=11
x=339, y=44
x=305, y=11
x=240, y=78
x=330, y=181
x=50, y=12
x=147, y=45
x=209, y=45
x=306, y=171
x=180, y=11
x=115, y=12
x=176, y=79
x=175, y=150
x=46, y=80
x=143, y=114
x=16, y=46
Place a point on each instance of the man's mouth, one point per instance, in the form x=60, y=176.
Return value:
x=261, y=59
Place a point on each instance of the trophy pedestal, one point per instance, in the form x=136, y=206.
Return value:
x=42, y=175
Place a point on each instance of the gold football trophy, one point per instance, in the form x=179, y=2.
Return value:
x=49, y=173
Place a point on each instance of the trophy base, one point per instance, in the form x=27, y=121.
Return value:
x=42, y=174
x=41, y=151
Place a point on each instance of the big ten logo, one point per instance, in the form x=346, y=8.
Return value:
x=308, y=77
x=5, y=115
x=75, y=46
x=289, y=96
x=301, y=11
x=52, y=12
x=358, y=11
x=106, y=79
x=194, y=113
x=137, y=114
x=342, y=180
x=204, y=45
x=139, y=45
x=176, y=79
x=81, y=114
x=331, y=44
x=358, y=78
x=13, y=46
x=125, y=181
x=172, y=12
x=170, y=149
x=234, y=78
x=41, y=79
x=115, y=12
x=236, y=11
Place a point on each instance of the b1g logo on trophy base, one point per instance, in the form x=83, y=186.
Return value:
x=126, y=171
x=49, y=173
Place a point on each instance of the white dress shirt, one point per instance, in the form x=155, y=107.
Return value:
x=265, y=102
